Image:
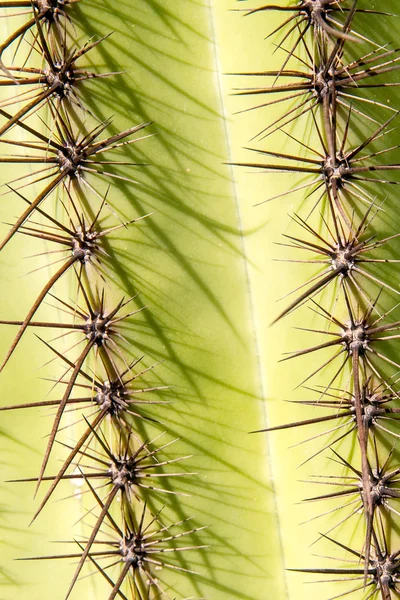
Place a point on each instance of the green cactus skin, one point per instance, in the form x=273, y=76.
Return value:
x=272, y=280
x=187, y=262
x=202, y=264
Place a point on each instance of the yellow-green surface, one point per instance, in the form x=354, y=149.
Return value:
x=188, y=263
x=203, y=266
x=271, y=280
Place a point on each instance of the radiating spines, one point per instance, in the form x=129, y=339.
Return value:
x=345, y=256
x=378, y=500
x=123, y=396
x=99, y=402
x=58, y=78
x=103, y=388
x=140, y=548
x=360, y=340
x=118, y=477
x=80, y=246
x=336, y=411
x=99, y=328
x=52, y=15
x=330, y=81
x=66, y=155
x=312, y=24
x=334, y=83
x=335, y=169
x=361, y=336
x=382, y=570
x=97, y=324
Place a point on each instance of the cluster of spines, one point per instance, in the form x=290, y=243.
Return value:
x=320, y=79
x=118, y=468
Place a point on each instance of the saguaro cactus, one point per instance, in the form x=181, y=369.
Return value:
x=344, y=165
x=151, y=292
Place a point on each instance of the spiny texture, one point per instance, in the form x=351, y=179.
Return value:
x=60, y=152
x=331, y=86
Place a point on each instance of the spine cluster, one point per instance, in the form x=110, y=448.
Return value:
x=329, y=83
x=60, y=162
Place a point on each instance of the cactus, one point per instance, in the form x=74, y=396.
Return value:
x=152, y=295
x=347, y=372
